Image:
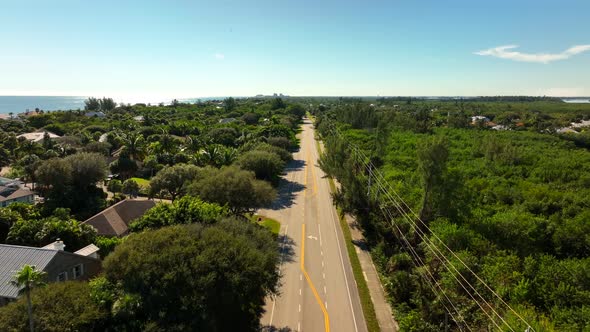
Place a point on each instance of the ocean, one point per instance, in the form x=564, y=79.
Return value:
x=20, y=104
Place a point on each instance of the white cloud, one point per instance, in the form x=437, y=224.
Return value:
x=219, y=56
x=506, y=52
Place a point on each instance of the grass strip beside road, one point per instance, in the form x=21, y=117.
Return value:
x=357, y=270
x=271, y=224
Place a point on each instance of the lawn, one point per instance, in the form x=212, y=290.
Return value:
x=141, y=182
x=272, y=225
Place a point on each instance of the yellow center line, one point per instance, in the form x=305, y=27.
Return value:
x=314, y=291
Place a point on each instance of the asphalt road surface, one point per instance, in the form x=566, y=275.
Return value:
x=318, y=291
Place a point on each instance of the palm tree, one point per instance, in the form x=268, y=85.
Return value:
x=133, y=144
x=27, y=278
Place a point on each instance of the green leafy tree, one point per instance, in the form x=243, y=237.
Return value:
x=186, y=210
x=229, y=104
x=173, y=180
x=432, y=165
x=130, y=187
x=236, y=188
x=40, y=232
x=26, y=279
x=71, y=183
x=107, y=104
x=266, y=165
x=194, y=277
x=61, y=306
x=8, y=218
x=123, y=166
x=92, y=104
x=115, y=186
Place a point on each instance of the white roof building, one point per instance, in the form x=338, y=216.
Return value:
x=38, y=135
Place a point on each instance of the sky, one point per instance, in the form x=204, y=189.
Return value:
x=179, y=49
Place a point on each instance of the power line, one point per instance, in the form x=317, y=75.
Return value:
x=402, y=207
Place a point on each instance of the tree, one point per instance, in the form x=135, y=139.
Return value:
x=277, y=103
x=27, y=278
x=123, y=166
x=30, y=163
x=234, y=187
x=186, y=210
x=173, y=180
x=432, y=165
x=130, y=187
x=193, y=278
x=71, y=183
x=230, y=104
x=60, y=306
x=223, y=135
x=266, y=165
x=115, y=186
x=107, y=104
x=8, y=218
x=92, y=104
x=133, y=145
x=39, y=232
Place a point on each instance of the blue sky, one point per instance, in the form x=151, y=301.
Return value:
x=166, y=49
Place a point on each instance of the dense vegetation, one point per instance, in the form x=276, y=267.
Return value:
x=228, y=152
x=513, y=203
x=190, y=262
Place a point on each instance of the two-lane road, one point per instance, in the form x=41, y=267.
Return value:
x=318, y=291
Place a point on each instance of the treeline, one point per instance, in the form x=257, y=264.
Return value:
x=514, y=205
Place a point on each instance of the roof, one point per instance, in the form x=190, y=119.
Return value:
x=227, y=120
x=7, y=181
x=10, y=193
x=37, y=136
x=88, y=250
x=95, y=113
x=115, y=220
x=12, y=259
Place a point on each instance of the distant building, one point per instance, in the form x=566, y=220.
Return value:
x=139, y=118
x=37, y=136
x=479, y=118
x=92, y=114
x=500, y=127
x=115, y=220
x=566, y=130
x=59, y=265
x=227, y=120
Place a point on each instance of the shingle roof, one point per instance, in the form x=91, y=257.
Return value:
x=12, y=259
x=115, y=220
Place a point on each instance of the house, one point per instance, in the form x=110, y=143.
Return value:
x=115, y=220
x=92, y=114
x=59, y=265
x=227, y=120
x=139, y=118
x=37, y=136
x=479, y=118
x=13, y=192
